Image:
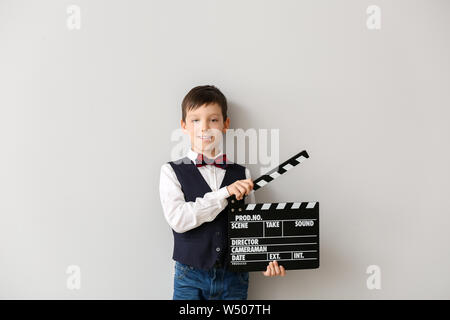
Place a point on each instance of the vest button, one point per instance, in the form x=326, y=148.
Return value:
x=217, y=249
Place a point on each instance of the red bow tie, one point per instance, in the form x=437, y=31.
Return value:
x=220, y=161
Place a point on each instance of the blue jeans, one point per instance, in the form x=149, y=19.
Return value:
x=214, y=284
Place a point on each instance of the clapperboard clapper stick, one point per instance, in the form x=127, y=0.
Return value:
x=262, y=232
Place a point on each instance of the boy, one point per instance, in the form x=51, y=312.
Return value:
x=194, y=192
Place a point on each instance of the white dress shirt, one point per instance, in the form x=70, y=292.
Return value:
x=183, y=216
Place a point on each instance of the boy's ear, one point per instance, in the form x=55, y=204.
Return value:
x=226, y=125
x=183, y=125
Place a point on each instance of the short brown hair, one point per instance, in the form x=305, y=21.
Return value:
x=201, y=95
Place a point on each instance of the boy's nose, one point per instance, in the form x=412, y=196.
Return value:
x=205, y=127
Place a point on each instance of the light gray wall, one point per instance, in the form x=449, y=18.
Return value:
x=86, y=118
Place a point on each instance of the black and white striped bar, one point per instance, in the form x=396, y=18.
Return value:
x=280, y=170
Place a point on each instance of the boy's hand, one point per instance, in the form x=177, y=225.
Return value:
x=274, y=270
x=240, y=188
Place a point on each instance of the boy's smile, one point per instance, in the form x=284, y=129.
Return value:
x=205, y=126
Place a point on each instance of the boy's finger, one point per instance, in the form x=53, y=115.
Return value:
x=272, y=271
x=283, y=271
x=248, y=187
x=267, y=272
x=249, y=183
x=245, y=190
x=240, y=186
x=240, y=189
x=233, y=191
x=277, y=269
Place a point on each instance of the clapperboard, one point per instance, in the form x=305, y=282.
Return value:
x=287, y=232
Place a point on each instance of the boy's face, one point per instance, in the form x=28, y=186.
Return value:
x=205, y=126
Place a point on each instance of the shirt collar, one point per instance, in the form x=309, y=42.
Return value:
x=193, y=155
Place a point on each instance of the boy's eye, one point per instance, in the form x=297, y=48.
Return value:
x=215, y=120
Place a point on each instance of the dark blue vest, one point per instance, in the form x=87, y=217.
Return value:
x=202, y=246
